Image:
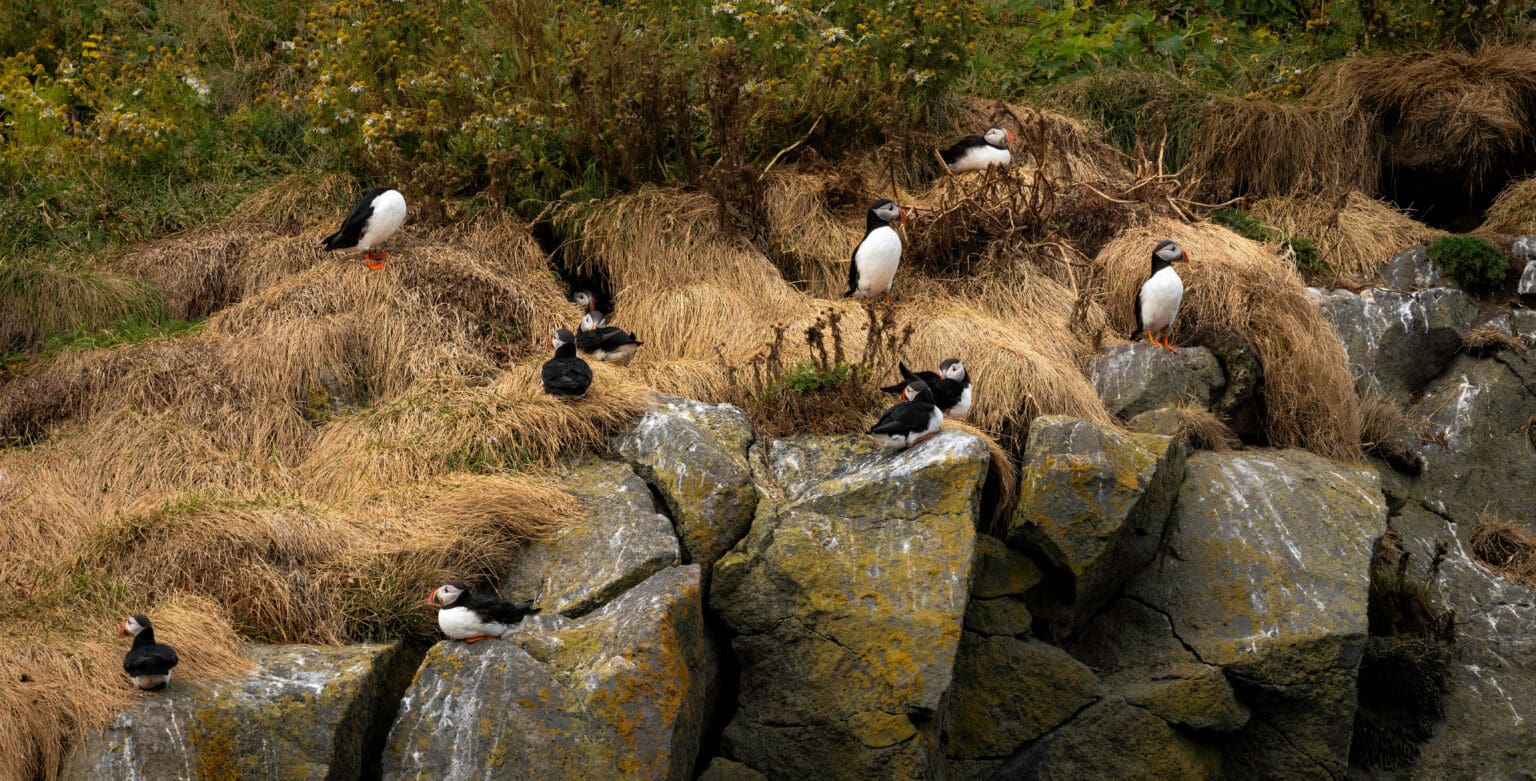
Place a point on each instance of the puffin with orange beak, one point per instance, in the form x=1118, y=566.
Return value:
x=1157, y=303
x=372, y=222
x=978, y=153
x=147, y=663
x=915, y=419
x=465, y=615
x=877, y=257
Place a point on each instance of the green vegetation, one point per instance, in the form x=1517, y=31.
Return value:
x=807, y=377
x=1242, y=223
x=1473, y=263
x=1308, y=258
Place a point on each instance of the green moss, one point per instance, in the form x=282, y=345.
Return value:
x=1243, y=224
x=806, y=377
x=1308, y=257
x=1473, y=263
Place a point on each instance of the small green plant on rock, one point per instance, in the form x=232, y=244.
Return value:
x=1473, y=263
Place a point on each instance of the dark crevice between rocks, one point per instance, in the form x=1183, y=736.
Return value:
x=389, y=687
x=1172, y=628
x=563, y=262
x=1012, y=765
x=724, y=700
x=1450, y=199
x=664, y=508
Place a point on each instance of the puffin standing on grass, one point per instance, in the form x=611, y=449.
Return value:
x=1157, y=303
x=603, y=342
x=951, y=386
x=147, y=663
x=565, y=375
x=465, y=615
x=876, y=258
x=915, y=419
x=372, y=222
x=978, y=153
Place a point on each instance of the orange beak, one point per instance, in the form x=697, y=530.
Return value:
x=1008, y=134
x=904, y=216
x=1185, y=257
x=432, y=597
x=122, y=630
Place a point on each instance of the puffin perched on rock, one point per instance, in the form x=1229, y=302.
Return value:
x=915, y=419
x=147, y=663
x=951, y=386
x=978, y=153
x=879, y=254
x=565, y=374
x=372, y=222
x=1157, y=303
x=465, y=615
x=603, y=342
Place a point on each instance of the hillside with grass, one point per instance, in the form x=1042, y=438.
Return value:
x=206, y=419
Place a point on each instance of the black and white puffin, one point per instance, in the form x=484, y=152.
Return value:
x=875, y=260
x=1157, y=303
x=372, y=222
x=978, y=153
x=585, y=299
x=147, y=663
x=915, y=419
x=951, y=386
x=603, y=342
x=465, y=615
x=565, y=374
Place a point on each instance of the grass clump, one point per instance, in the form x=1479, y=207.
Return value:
x=1472, y=262
x=1242, y=223
x=1306, y=254
x=1508, y=548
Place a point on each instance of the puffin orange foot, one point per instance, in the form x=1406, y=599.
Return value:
x=375, y=259
x=1167, y=346
x=478, y=638
x=923, y=437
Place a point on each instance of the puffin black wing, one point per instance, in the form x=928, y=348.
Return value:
x=152, y=659
x=1140, y=327
x=954, y=153
x=352, y=228
x=499, y=610
x=566, y=376
x=853, y=271
x=612, y=338
x=907, y=377
x=904, y=418
x=946, y=392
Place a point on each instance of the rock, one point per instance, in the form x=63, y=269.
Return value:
x=1517, y=322
x=1000, y=571
x=303, y=712
x=1397, y=342
x=1412, y=270
x=1491, y=702
x=621, y=541
x=1241, y=405
x=1524, y=247
x=619, y=691
x=1133, y=378
x=1114, y=739
x=847, y=596
x=695, y=455
x=1093, y=501
x=1266, y=574
x=1196, y=696
x=1001, y=616
x=1480, y=458
x=1008, y=692
x=1527, y=288
x=1163, y=421
x=722, y=769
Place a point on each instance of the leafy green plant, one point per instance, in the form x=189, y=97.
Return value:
x=1307, y=256
x=1473, y=263
x=1242, y=223
x=807, y=377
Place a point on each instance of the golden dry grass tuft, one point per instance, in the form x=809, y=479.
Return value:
x=1355, y=234
x=1486, y=340
x=1513, y=211
x=37, y=300
x=1203, y=429
x=1237, y=289
x=1264, y=148
x=1509, y=548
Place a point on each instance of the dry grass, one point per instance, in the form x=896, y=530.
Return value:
x=37, y=300
x=1203, y=430
x=1514, y=211
x=1355, y=234
x=1263, y=148
x=1235, y=288
x=1486, y=340
x=1509, y=548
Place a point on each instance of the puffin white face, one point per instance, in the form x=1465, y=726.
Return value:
x=890, y=212
x=952, y=369
x=445, y=595
x=998, y=137
x=592, y=321
x=130, y=628
x=561, y=338
x=584, y=299
x=1170, y=252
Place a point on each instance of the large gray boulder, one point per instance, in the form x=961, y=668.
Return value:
x=1412, y=270
x=1490, y=705
x=847, y=596
x=695, y=454
x=621, y=541
x=1266, y=573
x=618, y=692
x=1527, y=287
x=1115, y=739
x=1093, y=502
x=1481, y=456
x=303, y=712
x=1141, y=376
x=1397, y=342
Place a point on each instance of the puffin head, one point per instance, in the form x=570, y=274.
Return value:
x=447, y=594
x=133, y=626
x=888, y=212
x=917, y=390
x=1167, y=253
x=952, y=369
x=999, y=137
x=592, y=321
x=584, y=299
x=561, y=338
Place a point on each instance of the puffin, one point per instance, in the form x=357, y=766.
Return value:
x=585, y=299
x=603, y=342
x=147, y=663
x=465, y=615
x=978, y=153
x=877, y=256
x=565, y=375
x=372, y=222
x=1157, y=303
x=913, y=420
x=951, y=386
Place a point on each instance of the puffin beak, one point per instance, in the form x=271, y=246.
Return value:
x=122, y=631
x=432, y=597
x=1008, y=134
x=1183, y=256
x=905, y=217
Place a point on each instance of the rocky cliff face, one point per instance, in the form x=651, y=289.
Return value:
x=744, y=608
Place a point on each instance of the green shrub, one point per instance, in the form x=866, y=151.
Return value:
x=1242, y=223
x=806, y=377
x=1308, y=258
x=1473, y=263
